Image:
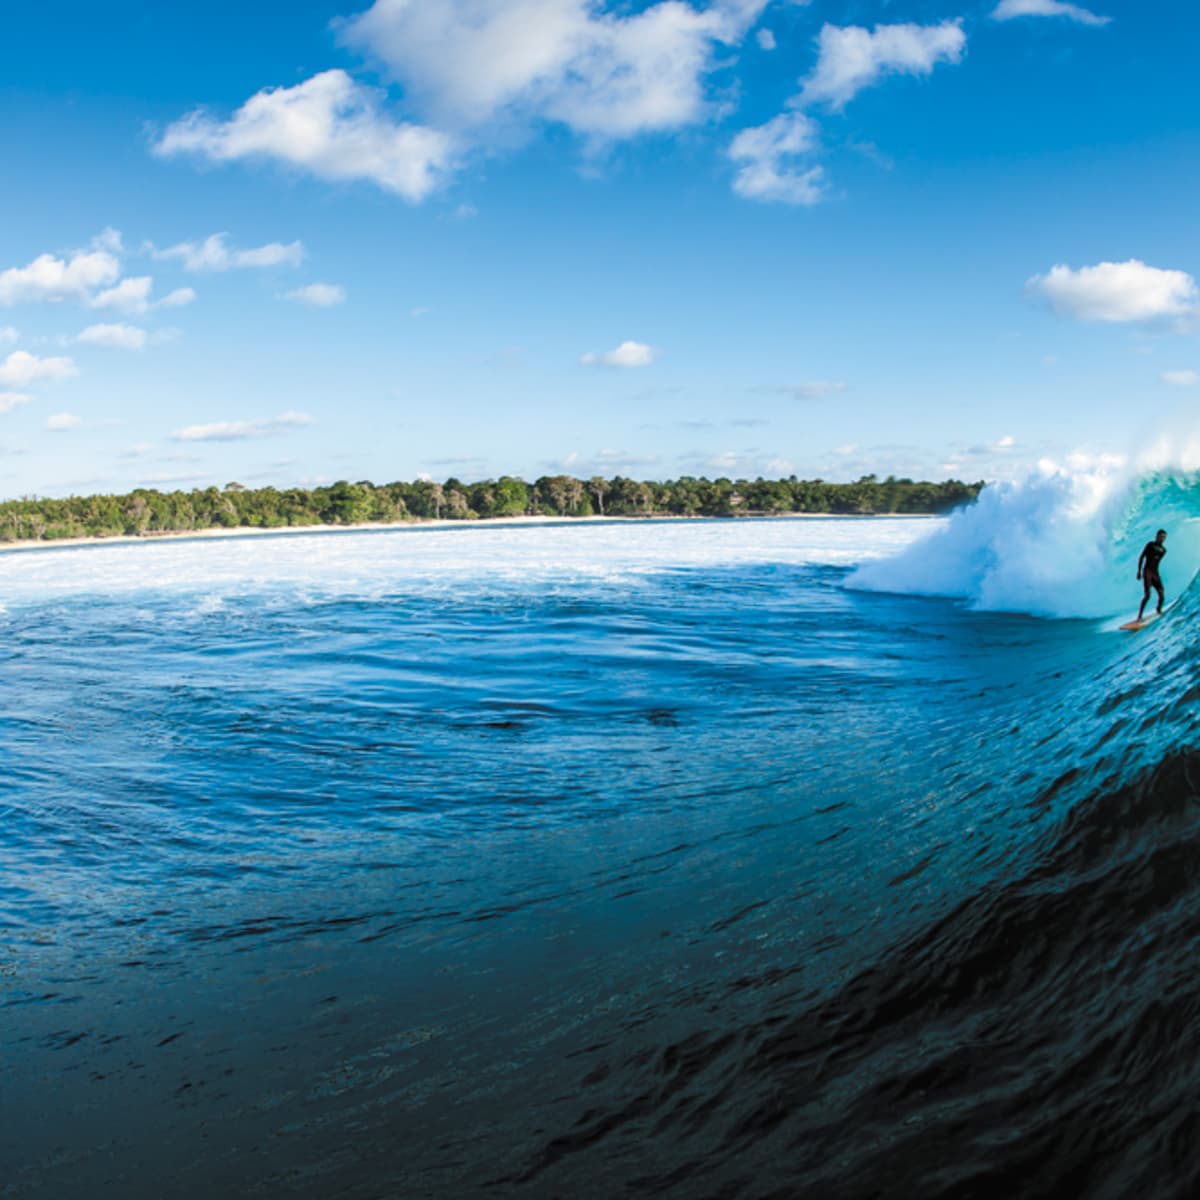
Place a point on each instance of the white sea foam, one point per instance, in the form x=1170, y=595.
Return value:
x=1063, y=542
x=416, y=558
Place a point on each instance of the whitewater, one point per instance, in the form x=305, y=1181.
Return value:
x=763, y=858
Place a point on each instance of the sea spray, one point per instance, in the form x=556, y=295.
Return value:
x=1061, y=542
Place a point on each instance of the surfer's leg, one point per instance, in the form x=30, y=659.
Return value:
x=1145, y=597
x=1158, y=587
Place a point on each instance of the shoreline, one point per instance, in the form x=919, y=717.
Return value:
x=248, y=531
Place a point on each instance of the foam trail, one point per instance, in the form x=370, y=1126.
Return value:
x=432, y=559
x=1062, y=542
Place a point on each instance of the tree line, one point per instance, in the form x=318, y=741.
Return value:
x=147, y=511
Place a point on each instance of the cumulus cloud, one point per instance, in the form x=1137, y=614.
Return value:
x=215, y=254
x=766, y=39
x=92, y=277
x=1181, y=378
x=8, y=334
x=319, y=295
x=1006, y=10
x=602, y=74
x=121, y=337
x=130, y=295
x=466, y=66
x=11, y=400
x=328, y=125
x=62, y=422
x=21, y=368
x=627, y=354
x=52, y=279
x=178, y=298
x=772, y=165
x=776, y=159
x=851, y=58
x=1127, y=291
x=241, y=431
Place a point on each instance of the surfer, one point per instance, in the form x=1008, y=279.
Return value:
x=1147, y=570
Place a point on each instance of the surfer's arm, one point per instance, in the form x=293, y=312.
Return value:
x=1141, y=560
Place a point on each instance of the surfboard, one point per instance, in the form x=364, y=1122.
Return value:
x=1134, y=626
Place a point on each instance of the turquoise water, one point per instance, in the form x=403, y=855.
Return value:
x=588, y=859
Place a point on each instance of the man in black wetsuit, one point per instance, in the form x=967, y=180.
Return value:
x=1147, y=572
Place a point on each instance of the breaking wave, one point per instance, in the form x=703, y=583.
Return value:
x=1063, y=542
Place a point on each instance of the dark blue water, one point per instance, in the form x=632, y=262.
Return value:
x=354, y=873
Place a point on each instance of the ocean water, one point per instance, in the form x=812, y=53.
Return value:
x=605, y=859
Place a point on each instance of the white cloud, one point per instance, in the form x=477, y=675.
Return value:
x=53, y=279
x=777, y=158
x=1006, y=10
x=1181, y=378
x=773, y=166
x=605, y=75
x=109, y=239
x=21, y=369
x=766, y=39
x=240, y=431
x=1128, y=291
x=319, y=295
x=627, y=354
x=11, y=400
x=214, y=254
x=61, y=422
x=121, y=337
x=130, y=295
x=852, y=58
x=1001, y=446
x=463, y=63
x=328, y=125
x=178, y=298
x=8, y=334
x=643, y=72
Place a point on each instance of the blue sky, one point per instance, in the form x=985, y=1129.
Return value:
x=291, y=243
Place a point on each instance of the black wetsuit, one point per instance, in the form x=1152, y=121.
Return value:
x=1153, y=554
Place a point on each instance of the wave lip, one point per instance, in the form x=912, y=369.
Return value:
x=1062, y=542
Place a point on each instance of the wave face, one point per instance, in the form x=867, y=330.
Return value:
x=594, y=861
x=1060, y=543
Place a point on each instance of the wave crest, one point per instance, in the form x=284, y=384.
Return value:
x=1062, y=542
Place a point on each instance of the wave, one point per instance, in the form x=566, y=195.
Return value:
x=1032, y=1038
x=1033, y=1042
x=1062, y=542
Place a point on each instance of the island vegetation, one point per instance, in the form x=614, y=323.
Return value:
x=147, y=511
